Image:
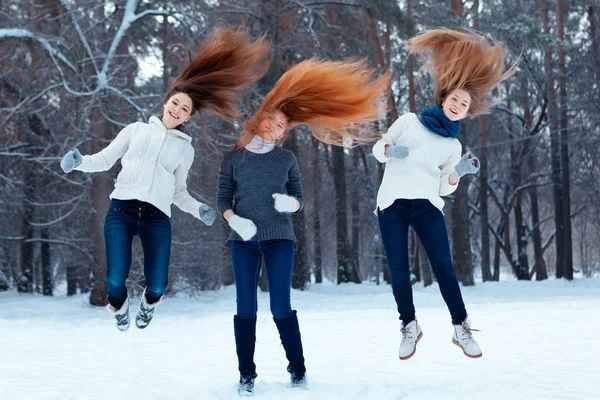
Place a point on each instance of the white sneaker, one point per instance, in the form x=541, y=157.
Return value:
x=463, y=338
x=411, y=334
x=121, y=315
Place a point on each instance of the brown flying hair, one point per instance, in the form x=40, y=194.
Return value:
x=337, y=100
x=463, y=59
x=225, y=62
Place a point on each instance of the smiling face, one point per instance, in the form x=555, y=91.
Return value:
x=456, y=105
x=273, y=126
x=177, y=110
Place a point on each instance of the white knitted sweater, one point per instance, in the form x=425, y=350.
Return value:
x=155, y=164
x=423, y=174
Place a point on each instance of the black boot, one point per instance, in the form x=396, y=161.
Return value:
x=289, y=332
x=245, y=340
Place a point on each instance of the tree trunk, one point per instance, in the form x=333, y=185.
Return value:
x=380, y=249
x=47, y=284
x=316, y=194
x=71, y=269
x=344, y=272
x=496, y=275
x=461, y=235
x=483, y=202
x=356, y=225
x=25, y=283
x=594, y=39
x=101, y=188
x=301, y=273
x=564, y=146
x=541, y=272
x=554, y=147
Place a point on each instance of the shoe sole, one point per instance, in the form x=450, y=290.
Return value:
x=415, y=350
x=141, y=327
x=463, y=350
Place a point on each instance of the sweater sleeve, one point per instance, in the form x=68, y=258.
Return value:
x=391, y=138
x=225, y=186
x=181, y=196
x=446, y=170
x=106, y=158
x=294, y=184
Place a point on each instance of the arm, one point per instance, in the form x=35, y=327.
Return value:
x=389, y=139
x=105, y=159
x=225, y=189
x=294, y=185
x=449, y=179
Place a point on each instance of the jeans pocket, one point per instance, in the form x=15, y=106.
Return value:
x=116, y=209
x=157, y=214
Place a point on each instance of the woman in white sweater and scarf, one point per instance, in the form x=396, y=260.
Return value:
x=156, y=158
x=423, y=157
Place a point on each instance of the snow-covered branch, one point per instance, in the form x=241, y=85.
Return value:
x=15, y=33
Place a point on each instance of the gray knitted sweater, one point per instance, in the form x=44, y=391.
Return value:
x=247, y=182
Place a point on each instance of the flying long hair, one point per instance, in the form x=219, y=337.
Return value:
x=463, y=59
x=225, y=62
x=337, y=100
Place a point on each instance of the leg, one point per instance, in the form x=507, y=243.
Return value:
x=393, y=223
x=155, y=235
x=279, y=262
x=119, y=229
x=246, y=261
x=430, y=226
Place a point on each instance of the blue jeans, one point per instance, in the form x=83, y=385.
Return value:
x=279, y=261
x=428, y=222
x=124, y=220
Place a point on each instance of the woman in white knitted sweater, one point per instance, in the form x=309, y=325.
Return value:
x=423, y=157
x=155, y=159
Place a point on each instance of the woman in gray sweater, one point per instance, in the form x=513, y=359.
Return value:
x=260, y=188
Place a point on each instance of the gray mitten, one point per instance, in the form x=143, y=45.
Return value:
x=207, y=214
x=70, y=161
x=468, y=164
x=397, y=152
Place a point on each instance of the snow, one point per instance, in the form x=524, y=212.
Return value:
x=540, y=340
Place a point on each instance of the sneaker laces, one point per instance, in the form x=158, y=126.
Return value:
x=466, y=330
x=406, y=334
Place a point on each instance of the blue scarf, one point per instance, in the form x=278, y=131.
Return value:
x=434, y=119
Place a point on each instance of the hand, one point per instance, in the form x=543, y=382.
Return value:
x=243, y=226
x=285, y=203
x=468, y=164
x=71, y=160
x=207, y=214
x=398, y=152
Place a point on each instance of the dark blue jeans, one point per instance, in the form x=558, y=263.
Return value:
x=124, y=220
x=428, y=222
x=279, y=261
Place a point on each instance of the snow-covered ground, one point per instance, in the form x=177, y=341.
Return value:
x=539, y=341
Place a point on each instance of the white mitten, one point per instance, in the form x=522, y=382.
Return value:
x=243, y=226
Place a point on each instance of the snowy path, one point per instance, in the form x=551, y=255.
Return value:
x=539, y=341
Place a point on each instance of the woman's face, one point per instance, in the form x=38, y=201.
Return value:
x=177, y=110
x=273, y=126
x=456, y=105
